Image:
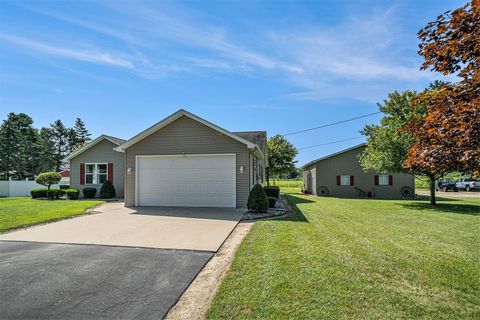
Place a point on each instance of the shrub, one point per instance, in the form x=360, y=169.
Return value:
x=89, y=192
x=64, y=186
x=107, y=190
x=55, y=193
x=72, y=194
x=271, y=202
x=39, y=193
x=257, y=199
x=272, y=191
x=48, y=178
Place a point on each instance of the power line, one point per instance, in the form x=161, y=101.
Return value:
x=331, y=124
x=326, y=144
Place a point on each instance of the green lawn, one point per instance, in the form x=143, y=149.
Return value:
x=358, y=259
x=21, y=212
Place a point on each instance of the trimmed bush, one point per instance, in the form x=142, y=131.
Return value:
x=64, y=186
x=271, y=202
x=72, y=194
x=107, y=190
x=272, y=191
x=39, y=193
x=48, y=178
x=55, y=193
x=89, y=192
x=257, y=199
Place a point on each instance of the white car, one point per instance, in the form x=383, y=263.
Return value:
x=467, y=184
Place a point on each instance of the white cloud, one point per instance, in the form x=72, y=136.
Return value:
x=360, y=57
x=94, y=56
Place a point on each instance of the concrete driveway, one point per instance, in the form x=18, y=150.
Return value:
x=202, y=229
x=60, y=281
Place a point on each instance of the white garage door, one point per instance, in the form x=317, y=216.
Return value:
x=186, y=181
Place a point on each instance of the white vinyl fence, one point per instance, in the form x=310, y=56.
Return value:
x=19, y=188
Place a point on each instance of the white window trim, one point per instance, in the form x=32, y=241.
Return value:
x=347, y=177
x=383, y=180
x=95, y=173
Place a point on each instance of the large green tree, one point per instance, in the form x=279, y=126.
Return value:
x=78, y=135
x=26, y=151
x=18, y=152
x=388, y=142
x=59, y=136
x=46, y=150
x=281, y=157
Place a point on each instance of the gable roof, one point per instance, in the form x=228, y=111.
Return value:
x=180, y=113
x=334, y=154
x=114, y=140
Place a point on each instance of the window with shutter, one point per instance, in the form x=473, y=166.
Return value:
x=383, y=180
x=345, y=180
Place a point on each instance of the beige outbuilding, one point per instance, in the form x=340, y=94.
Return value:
x=341, y=175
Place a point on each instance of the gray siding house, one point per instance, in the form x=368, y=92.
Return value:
x=182, y=160
x=341, y=175
x=96, y=162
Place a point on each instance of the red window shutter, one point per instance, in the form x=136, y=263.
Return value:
x=110, y=172
x=390, y=180
x=352, y=180
x=377, y=180
x=338, y=180
x=82, y=173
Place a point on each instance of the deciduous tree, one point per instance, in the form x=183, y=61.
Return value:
x=447, y=136
x=387, y=146
x=281, y=157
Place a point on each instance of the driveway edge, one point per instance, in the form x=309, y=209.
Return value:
x=195, y=301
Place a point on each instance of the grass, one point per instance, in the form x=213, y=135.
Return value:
x=21, y=212
x=358, y=259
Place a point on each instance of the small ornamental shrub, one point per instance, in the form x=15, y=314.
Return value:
x=89, y=192
x=257, y=199
x=48, y=178
x=272, y=191
x=72, y=194
x=39, y=193
x=107, y=190
x=55, y=193
x=64, y=186
x=271, y=202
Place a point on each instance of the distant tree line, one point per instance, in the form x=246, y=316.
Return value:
x=26, y=151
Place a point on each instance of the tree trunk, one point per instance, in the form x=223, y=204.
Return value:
x=433, y=200
x=268, y=178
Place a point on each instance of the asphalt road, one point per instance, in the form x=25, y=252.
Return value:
x=451, y=194
x=61, y=281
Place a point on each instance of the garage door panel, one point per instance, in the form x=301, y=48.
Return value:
x=199, y=181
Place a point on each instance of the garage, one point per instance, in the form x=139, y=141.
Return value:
x=207, y=180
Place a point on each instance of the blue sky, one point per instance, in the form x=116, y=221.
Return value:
x=275, y=66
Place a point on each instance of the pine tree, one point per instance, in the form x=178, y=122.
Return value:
x=58, y=135
x=27, y=162
x=9, y=142
x=46, y=150
x=80, y=134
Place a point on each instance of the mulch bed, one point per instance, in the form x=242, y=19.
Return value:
x=279, y=210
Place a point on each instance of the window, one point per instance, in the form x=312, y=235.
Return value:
x=344, y=180
x=383, y=180
x=96, y=173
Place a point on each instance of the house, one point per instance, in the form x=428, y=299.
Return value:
x=65, y=177
x=341, y=175
x=183, y=160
